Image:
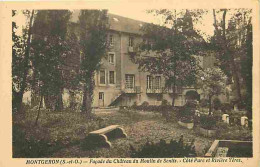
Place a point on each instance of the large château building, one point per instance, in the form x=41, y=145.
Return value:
x=119, y=82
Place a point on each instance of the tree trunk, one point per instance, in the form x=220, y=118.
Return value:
x=236, y=78
x=210, y=105
x=38, y=115
x=84, y=101
x=231, y=58
x=72, y=100
x=89, y=103
x=26, y=62
x=174, y=83
x=88, y=95
x=173, y=96
x=59, y=102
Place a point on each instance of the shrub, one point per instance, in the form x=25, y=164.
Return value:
x=164, y=150
x=227, y=132
x=31, y=147
x=204, y=102
x=165, y=103
x=134, y=105
x=187, y=112
x=192, y=95
x=208, y=122
x=145, y=104
x=216, y=103
x=226, y=107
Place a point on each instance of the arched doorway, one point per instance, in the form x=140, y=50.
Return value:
x=192, y=95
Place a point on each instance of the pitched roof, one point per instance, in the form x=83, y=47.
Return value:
x=117, y=23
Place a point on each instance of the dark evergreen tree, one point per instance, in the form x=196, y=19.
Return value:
x=93, y=43
x=228, y=44
x=49, y=48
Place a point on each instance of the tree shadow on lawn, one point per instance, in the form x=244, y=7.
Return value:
x=140, y=128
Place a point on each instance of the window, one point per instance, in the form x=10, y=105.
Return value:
x=157, y=83
x=111, y=40
x=101, y=95
x=130, y=81
x=102, y=76
x=149, y=82
x=131, y=41
x=111, y=58
x=111, y=77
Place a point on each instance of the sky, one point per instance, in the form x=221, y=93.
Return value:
x=139, y=13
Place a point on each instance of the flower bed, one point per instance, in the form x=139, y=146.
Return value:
x=186, y=115
x=207, y=132
x=188, y=125
x=163, y=149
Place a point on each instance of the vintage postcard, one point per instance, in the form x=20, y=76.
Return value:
x=130, y=83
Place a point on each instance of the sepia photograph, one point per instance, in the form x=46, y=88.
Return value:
x=152, y=83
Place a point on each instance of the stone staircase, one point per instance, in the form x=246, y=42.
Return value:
x=116, y=99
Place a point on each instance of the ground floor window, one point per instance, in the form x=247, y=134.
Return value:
x=149, y=82
x=130, y=81
x=157, y=82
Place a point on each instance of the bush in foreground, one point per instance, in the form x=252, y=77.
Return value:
x=162, y=149
x=208, y=122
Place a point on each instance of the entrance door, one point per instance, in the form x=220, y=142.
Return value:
x=101, y=98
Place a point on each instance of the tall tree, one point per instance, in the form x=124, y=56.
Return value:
x=213, y=83
x=49, y=48
x=21, y=59
x=246, y=67
x=172, y=47
x=228, y=38
x=93, y=43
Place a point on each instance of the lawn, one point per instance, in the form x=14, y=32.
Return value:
x=62, y=134
x=140, y=127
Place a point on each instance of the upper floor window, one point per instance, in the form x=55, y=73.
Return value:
x=131, y=42
x=111, y=77
x=102, y=77
x=111, y=58
x=111, y=40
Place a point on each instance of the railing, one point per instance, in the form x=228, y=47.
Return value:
x=177, y=90
x=170, y=90
x=154, y=90
x=136, y=89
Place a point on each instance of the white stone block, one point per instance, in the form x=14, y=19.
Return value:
x=225, y=118
x=235, y=107
x=244, y=121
